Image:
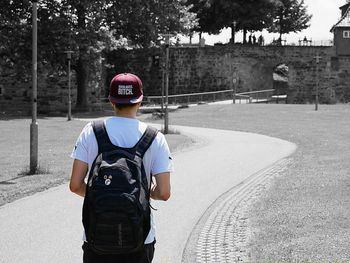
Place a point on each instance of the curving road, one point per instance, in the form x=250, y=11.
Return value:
x=46, y=227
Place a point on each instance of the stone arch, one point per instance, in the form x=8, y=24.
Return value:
x=280, y=77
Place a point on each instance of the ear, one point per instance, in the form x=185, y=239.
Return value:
x=113, y=105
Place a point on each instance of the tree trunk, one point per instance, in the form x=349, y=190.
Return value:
x=233, y=33
x=244, y=36
x=281, y=25
x=280, y=39
x=81, y=68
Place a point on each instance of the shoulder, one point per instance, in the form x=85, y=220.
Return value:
x=160, y=137
x=85, y=145
x=160, y=141
x=87, y=130
x=87, y=134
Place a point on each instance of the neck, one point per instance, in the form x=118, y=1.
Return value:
x=126, y=112
x=130, y=115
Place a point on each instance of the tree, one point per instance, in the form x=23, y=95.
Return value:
x=88, y=27
x=140, y=22
x=215, y=15
x=289, y=16
x=143, y=22
x=15, y=33
x=252, y=15
x=61, y=25
x=203, y=9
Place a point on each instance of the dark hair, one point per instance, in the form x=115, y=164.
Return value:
x=124, y=106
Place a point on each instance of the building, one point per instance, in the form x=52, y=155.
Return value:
x=341, y=31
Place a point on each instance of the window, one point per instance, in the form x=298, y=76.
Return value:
x=2, y=91
x=346, y=34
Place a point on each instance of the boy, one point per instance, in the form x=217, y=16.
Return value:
x=124, y=130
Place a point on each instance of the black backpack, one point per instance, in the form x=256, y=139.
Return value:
x=116, y=209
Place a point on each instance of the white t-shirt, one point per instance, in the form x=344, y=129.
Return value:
x=126, y=132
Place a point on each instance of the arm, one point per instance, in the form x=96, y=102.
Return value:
x=77, y=184
x=161, y=189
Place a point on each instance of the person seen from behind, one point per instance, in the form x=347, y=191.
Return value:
x=120, y=155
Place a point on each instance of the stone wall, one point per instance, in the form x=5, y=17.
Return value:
x=146, y=63
x=192, y=69
x=201, y=69
x=16, y=88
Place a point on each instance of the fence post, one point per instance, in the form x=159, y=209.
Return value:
x=234, y=91
x=33, y=159
x=317, y=81
x=163, y=86
x=166, y=114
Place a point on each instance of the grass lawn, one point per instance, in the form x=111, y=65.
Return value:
x=57, y=138
x=305, y=214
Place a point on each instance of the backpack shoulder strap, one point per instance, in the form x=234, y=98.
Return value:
x=146, y=140
x=103, y=141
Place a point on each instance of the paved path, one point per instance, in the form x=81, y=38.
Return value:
x=46, y=226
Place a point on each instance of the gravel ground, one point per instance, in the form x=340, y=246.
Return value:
x=303, y=216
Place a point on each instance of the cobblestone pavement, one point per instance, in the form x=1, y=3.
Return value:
x=223, y=233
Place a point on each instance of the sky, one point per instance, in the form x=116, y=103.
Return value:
x=325, y=13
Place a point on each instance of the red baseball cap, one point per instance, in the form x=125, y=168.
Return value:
x=125, y=88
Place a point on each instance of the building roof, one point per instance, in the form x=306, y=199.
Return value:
x=344, y=20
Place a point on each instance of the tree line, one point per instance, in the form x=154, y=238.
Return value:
x=276, y=16
x=90, y=28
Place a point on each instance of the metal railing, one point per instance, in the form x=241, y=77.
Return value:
x=191, y=97
x=256, y=96
x=246, y=97
x=302, y=42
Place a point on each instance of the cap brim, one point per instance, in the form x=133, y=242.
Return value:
x=125, y=101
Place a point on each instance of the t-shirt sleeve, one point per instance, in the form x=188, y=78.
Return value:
x=81, y=148
x=162, y=161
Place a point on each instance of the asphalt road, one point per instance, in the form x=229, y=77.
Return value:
x=46, y=227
